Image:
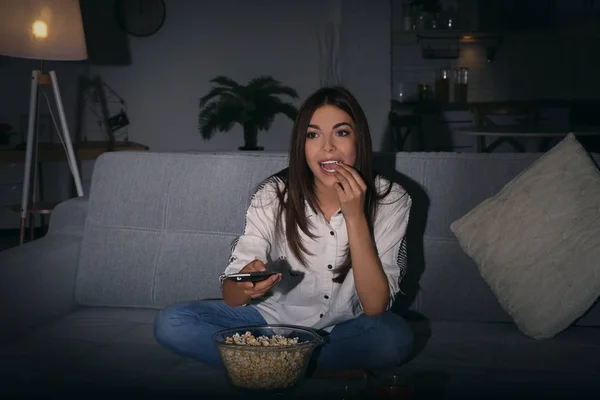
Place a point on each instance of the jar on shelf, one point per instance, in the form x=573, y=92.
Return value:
x=407, y=17
x=425, y=94
x=461, y=85
x=420, y=19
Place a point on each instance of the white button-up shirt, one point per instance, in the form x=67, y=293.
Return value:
x=307, y=296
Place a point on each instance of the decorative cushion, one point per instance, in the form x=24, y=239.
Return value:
x=537, y=242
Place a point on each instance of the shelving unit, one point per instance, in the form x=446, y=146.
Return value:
x=408, y=37
x=446, y=43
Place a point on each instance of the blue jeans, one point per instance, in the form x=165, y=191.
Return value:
x=365, y=342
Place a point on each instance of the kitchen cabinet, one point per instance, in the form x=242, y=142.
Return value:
x=513, y=16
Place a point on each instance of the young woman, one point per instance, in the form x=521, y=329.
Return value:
x=333, y=231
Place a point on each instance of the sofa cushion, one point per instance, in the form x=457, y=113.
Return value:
x=495, y=360
x=112, y=350
x=537, y=242
x=103, y=350
x=111, y=346
x=160, y=226
x=106, y=351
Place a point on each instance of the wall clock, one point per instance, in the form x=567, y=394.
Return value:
x=140, y=17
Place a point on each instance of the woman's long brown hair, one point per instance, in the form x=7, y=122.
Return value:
x=298, y=179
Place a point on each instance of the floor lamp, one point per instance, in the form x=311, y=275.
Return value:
x=43, y=30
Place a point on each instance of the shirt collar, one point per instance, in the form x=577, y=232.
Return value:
x=309, y=212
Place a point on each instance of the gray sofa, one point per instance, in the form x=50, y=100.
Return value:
x=77, y=306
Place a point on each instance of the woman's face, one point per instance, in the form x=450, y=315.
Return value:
x=330, y=139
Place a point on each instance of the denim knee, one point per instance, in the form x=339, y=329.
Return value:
x=166, y=322
x=161, y=324
x=396, y=339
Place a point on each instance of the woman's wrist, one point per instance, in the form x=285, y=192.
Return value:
x=357, y=223
x=233, y=295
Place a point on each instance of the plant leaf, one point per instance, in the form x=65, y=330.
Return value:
x=216, y=92
x=220, y=116
x=263, y=81
x=271, y=86
x=225, y=81
x=268, y=107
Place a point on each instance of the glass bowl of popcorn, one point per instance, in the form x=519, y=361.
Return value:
x=266, y=358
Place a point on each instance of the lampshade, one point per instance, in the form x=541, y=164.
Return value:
x=42, y=29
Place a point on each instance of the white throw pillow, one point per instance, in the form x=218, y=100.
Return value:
x=537, y=242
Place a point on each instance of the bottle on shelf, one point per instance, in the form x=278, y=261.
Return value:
x=442, y=85
x=461, y=86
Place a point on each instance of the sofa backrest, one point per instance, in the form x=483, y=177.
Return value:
x=160, y=226
x=442, y=281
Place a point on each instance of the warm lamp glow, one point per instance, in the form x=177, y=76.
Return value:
x=40, y=29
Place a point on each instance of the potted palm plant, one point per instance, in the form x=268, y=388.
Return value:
x=253, y=106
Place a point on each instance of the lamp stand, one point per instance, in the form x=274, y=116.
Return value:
x=37, y=78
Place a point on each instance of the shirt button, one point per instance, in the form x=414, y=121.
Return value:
x=326, y=296
x=320, y=315
x=330, y=266
x=332, y=233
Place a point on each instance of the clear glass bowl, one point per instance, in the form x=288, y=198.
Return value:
x=267, y=368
